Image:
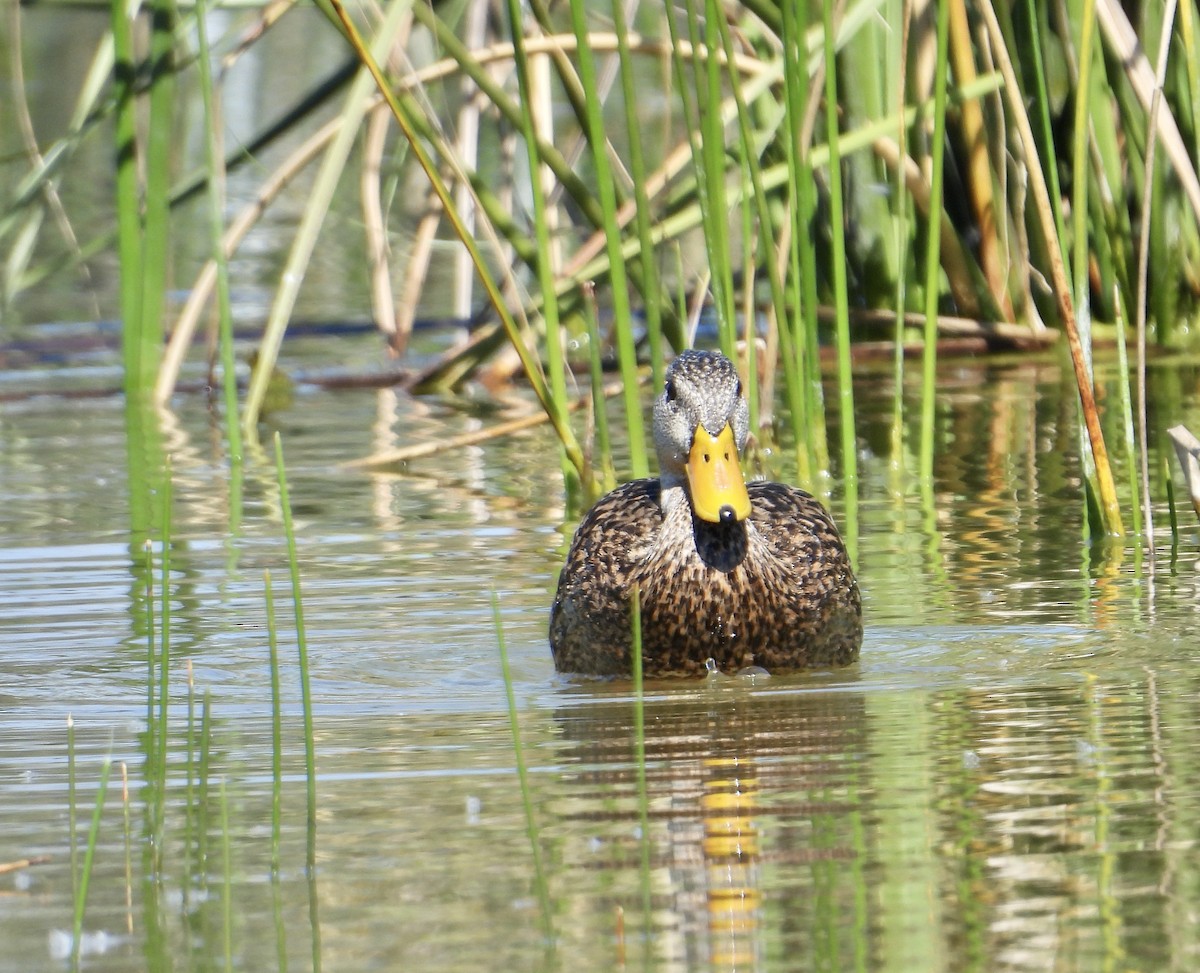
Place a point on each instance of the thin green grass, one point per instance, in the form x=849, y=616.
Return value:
x=933, y=249
x=276, y=729
x=310, y=757
x=639, y=759
x=531, y=826
x=89, y=857
x=216, y=208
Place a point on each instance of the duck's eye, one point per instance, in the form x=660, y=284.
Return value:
x=670, y=390
x=738, y=393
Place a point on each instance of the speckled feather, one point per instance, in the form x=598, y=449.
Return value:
x=775, y=591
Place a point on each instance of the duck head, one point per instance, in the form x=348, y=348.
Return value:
x=701, y=423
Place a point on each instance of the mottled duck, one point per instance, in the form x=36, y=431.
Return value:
x=739, y=574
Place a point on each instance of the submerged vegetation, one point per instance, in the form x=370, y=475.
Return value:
x=796, y=179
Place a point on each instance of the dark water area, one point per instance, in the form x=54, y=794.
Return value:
x=1008, y=780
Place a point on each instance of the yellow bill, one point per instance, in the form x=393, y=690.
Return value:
x=715, y=478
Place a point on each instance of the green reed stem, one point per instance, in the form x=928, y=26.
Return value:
x=933, y=247
x=151, y=657
x=189, y=825
x=603, y=473
x=276, y=729
x=89, y=856
x=202, y=796
x=541, y=226
x=320, y=196
x=310, y=757
x=164, y=662
x=531, y=827
x=639, y=751
x=651, y=283
x=128, y=195
x=156, y=205
x=401, y=112
x=216, y=206
x=1046, y=150
x=712, y=132
x=606, y=190
x=227, y=882
x=841, y=298
x=802, y=363
x=127, y=832
x=1126, y=403
x=72, y=816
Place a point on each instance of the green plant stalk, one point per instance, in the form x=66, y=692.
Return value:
x=157, y=203
x=802, y=366
x=933, y=249
x=526, y=797
x=189, y=829
x=310, y=757
x=545, y=264
x=532, y=372
x=901, y=224
x=1046, y=135
x=1081, y=288
x=151, y=657
x=652, y=287
x=1095, y=459
x=129, y=231
x=320, y=196
x=606, y=190
x=227, y=880
x=838, y=232
x=72, y=817
x=164, y=666
x=216, y=206
x=202, y=797
x=712, y=131
x=1126, y=403
x=767, y=235
x=1187, y=33
x=749, y=315
x=603, y=474
x=276, y=730
x=639, y=753
x=89, y=856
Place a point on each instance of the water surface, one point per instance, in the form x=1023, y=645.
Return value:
x=1009, y=780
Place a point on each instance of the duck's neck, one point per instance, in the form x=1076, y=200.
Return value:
x=673, y=497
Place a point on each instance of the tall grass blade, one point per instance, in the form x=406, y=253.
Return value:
x=933, y=248
x=216, y=209
x=227, y=880
x=128, y=196
x=72, y=816
x=531, y=826
x=310, y=757
x=1143, y=293
x=639, y=755
x=1095, y=459
x=156, y=204
x=320, y=196
x=276, y=729
x=606, y=190
x=409, y=125
x=651, y=284
x=545, y=259
x=164, y=665
x=85, y=876
x=841, y=298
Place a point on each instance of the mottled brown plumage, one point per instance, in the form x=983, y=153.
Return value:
x=774, y=589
